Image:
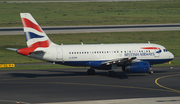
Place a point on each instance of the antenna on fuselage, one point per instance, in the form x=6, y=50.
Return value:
x=149, y=42
x=81, y=43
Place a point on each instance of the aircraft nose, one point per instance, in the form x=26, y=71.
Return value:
x=171, y=55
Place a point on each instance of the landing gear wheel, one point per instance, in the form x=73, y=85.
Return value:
x=111, y=73
x=91, y=72
x=150, y=71
x=123, y=68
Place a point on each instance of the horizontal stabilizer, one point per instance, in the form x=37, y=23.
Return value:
x=13, y=49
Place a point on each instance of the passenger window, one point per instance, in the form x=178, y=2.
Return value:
x=69, y=52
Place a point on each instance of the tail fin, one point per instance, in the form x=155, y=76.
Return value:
x=35, y=36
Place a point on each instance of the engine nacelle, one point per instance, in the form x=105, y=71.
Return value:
x=138, y=67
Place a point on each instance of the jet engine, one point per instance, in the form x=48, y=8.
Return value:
x=137, y=67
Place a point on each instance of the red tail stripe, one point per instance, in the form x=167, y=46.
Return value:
x=41, y=44
x=28, y=50
x=27, y=23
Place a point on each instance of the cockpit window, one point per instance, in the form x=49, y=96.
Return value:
x=165, y=50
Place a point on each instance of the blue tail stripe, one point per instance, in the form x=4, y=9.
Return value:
x=30, y=35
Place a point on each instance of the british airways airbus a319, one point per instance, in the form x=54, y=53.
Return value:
x=131, y=57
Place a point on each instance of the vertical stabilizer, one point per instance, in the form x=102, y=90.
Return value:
x=35, y=36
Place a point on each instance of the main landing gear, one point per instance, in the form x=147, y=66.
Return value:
x=91, y=71
x=111, y=73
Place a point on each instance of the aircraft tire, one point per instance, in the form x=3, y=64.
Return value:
x=150, y=71
x=111, y=73
x=123, y=68
x=91, y=72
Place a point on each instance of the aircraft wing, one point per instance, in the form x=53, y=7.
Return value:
x=119, y=61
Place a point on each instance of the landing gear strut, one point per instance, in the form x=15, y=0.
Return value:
x=91, y=72
x=112, y=73
x=150, y=70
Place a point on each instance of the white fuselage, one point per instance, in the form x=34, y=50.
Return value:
x=81, y=55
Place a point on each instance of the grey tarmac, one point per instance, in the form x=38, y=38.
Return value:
x=94, y=28
x=74, y=86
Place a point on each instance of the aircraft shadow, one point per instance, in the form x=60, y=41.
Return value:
x=34, y=75
x=55, y=73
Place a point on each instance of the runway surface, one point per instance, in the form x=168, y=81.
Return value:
x=89, y=29
x=70, y=85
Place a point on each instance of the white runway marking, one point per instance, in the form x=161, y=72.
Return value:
x=157, y=100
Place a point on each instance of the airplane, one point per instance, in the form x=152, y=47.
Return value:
x=132, y=57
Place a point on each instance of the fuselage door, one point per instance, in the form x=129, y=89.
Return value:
x=59, y=53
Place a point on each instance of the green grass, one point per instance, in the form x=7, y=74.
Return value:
x=30, y=67
x=92, y=13
x=169, y=39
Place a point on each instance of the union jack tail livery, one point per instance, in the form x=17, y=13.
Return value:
x=35, y=36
